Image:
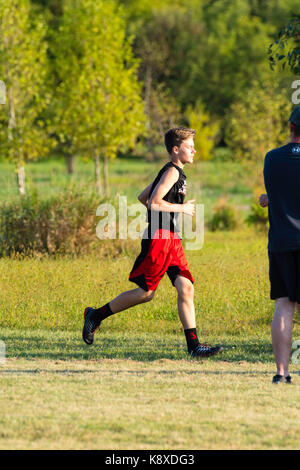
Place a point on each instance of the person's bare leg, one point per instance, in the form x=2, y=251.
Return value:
x=185, y=302
x=94, y=316
x=282, y=327
x=129, y=299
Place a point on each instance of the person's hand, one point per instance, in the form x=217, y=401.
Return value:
x=189, y=207
x=263, y=200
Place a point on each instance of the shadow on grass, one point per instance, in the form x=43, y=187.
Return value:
x=137, y=373
x=67, y=346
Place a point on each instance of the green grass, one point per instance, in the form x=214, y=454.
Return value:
x=135, y=388
x=121, y=404
x=231, y=289
x=50, y=176
x=231, y=299
x=144, y=347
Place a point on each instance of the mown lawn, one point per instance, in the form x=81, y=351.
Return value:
x=126, y=404
x=135, y=388
x=231, y=289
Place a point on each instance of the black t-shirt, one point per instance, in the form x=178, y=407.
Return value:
x=168, y=220
x=282, y=182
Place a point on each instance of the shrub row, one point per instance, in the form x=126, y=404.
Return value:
x=62, y=224
x=225, y=217
x=66, y=224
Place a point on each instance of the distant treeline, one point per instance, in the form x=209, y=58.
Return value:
x=103, y=77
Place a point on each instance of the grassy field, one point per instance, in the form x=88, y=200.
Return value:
x=121, y=404
x=231, y=289
x=207, y=181
x=135, y=388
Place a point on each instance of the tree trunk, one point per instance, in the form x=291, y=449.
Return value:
x=2, y=92
x=106, y=178
x=98, y=173
x=148, y=85
x=11, y=126
x=21, y=179
x=70, y=161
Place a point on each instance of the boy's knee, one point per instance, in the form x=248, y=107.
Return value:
x=185, y=288
x=148, y=295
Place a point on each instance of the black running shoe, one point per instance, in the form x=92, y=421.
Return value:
x=91, y=324
x=204, y=350
x=280, y=379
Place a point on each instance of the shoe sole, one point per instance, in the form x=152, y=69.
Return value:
x=89, y=343
x=218, y=350
x=281, y=382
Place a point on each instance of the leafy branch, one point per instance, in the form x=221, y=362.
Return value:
x=286, y=48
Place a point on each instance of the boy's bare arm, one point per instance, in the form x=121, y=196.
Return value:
x=157, y=203
x=144, y=196
x=263, y=200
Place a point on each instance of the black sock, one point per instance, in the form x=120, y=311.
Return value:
x=103, y=312
x=191, y=338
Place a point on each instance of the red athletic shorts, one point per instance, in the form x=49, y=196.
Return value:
x=159, y=255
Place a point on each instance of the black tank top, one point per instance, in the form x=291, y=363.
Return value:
x=167, y=220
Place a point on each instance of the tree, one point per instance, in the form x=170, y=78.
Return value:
x=257, y=122
x=163, y=112
x=99, y=107
x=207, y=51
x=52, y=11
x=286, y=48
x=164, y=42
x=206, y=130
x=23, y=68
x=233, y=55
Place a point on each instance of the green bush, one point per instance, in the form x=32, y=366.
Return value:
x=62, y=224
x=258, y=216
x=224, y=217
x=223, y=154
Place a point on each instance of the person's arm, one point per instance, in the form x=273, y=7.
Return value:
x=144, y=196
x=263, y=200
x=157, y=203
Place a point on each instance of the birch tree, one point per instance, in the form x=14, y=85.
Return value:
x=23, y=69
x=100, y=110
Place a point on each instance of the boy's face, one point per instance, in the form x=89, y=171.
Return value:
x=186, y=151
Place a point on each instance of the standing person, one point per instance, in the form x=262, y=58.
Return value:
x=282, y=182
x=161, y=250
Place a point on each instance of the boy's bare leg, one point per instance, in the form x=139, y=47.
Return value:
x=282, y=327
x=94, y=316
x=130, y=298
x=186, y=311
x=185, y=302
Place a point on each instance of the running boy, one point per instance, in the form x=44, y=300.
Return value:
x=161, y=250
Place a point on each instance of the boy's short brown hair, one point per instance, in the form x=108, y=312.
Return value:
x=176, y=135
